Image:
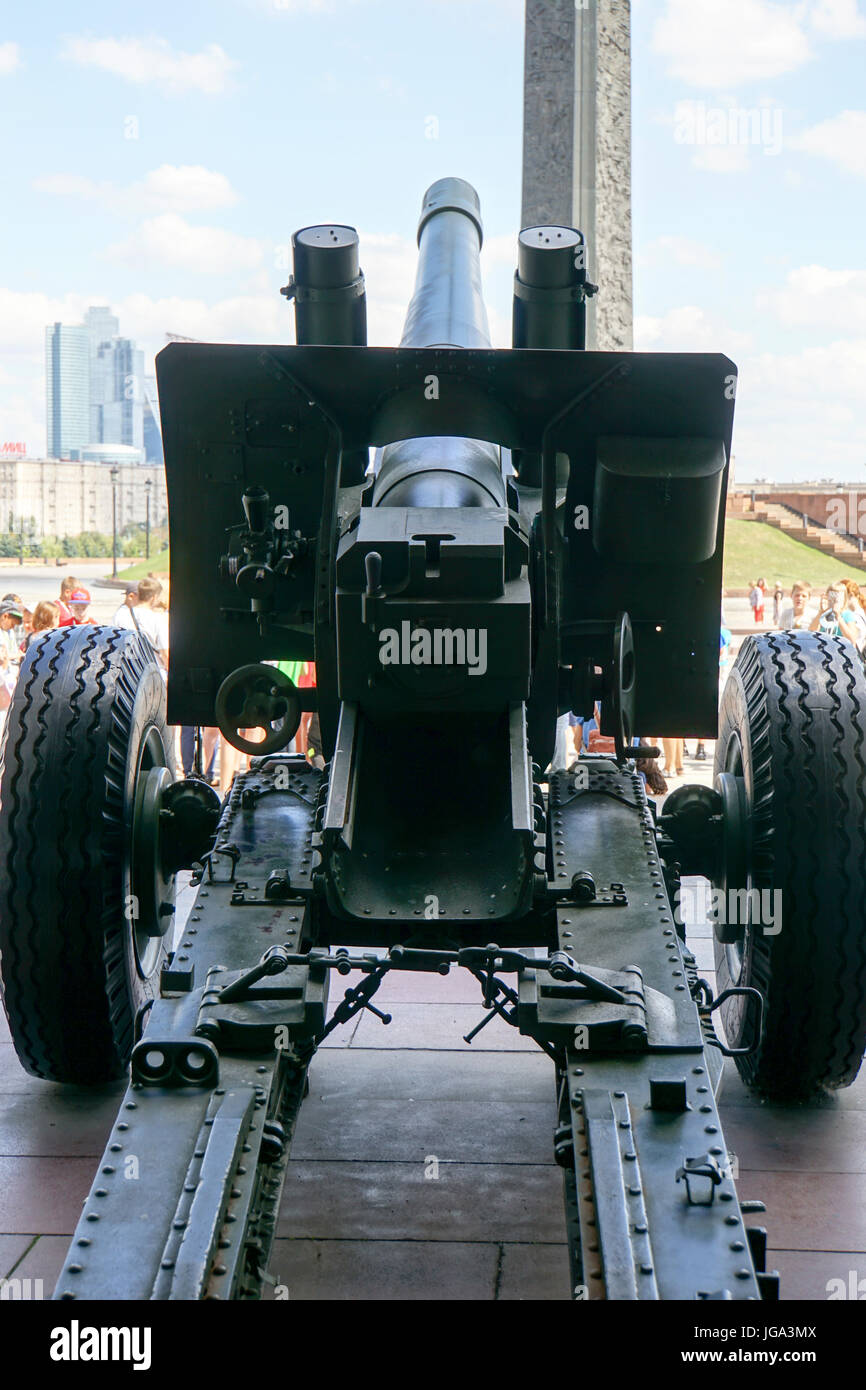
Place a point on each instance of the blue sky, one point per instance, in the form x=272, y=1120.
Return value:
x=158, y=160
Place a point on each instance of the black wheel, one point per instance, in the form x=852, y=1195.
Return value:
x=792, y=743
x=83, y=901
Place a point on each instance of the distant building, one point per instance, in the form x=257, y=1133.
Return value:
x=67, y=388
x=65, y=498
x=152, y=422
x=94, y=386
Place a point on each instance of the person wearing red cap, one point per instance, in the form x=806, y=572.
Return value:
x=67, y=586
x=78, y=601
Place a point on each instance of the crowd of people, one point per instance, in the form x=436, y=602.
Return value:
x=144, y=609
x=839, y=610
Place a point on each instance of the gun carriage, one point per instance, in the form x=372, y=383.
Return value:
x=538, y=528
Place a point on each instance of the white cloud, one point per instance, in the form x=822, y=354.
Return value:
x=681, y=251
x=799, y=414
x=837, y=19
x=10, y=57
x=169, y=240
x=841, y=139
x=170, y=188
x=688, y=329
x=154, y=60
x=388, y=262
x=725, y=43
x=815, y=297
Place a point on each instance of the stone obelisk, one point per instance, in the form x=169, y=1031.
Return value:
x=577, y=144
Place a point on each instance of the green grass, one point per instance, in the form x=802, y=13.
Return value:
x=157, y=564
x=754, y=550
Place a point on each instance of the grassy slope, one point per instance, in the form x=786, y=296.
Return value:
x=157, y=564
x=754, y=550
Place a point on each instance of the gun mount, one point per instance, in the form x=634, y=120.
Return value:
x=449, y=531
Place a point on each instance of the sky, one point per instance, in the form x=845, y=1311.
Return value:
x=158, y=158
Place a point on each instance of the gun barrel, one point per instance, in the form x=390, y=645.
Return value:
x=446, y=310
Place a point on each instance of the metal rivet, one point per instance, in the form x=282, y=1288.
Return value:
x=74, y=1269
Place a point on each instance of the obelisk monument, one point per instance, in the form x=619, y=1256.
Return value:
x=577, y=144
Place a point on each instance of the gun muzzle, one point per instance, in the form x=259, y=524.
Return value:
x=446, y=310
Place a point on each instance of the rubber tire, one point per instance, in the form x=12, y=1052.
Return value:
x=796, y=701
x=87, y=698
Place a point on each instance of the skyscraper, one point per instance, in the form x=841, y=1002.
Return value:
x=116, y=382
x=94, y=385
x=67, y=388
x=152, y=423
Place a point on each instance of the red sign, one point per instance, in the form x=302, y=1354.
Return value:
x=13, y=450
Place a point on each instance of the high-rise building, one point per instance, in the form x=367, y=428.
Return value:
x=116, y=382
x=95, y=386
x=152, y=422
x=67, y=389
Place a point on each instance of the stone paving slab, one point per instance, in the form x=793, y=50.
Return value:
x=382, y=1201
x=384, y=1271
x=464, y=1131
x=806, y=1274
x=44, y=1260
x=354, y=1077
x=809, y=1212
x=797, y=1139
x=63, y=1124
x=43, y=1195
x=12, y=1248
x=534, y=1273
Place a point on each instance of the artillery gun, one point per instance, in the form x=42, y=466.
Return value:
x=538, y=529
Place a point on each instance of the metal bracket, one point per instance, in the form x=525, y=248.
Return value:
x=704, y=1167
x=704, y=1010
